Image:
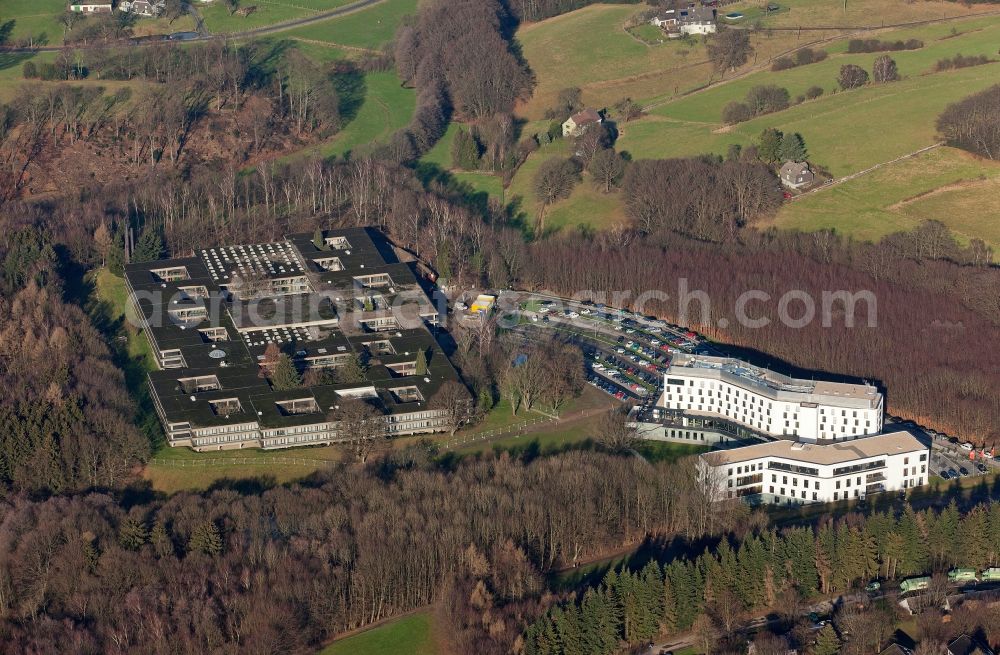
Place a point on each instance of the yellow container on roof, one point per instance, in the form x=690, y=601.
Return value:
x=483, y=304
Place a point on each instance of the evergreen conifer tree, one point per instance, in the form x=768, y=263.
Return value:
x=205, y=538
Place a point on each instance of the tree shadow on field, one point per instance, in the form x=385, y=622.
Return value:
x=12, y=59
x=351, y=86
x=256, y=485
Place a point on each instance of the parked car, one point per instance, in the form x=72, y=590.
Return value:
x=945, y=475
x=963, y=471
x=967, y=446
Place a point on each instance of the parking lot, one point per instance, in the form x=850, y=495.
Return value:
x=626, y=354
x=950, y=458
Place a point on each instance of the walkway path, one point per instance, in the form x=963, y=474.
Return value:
x=850, y=31
x=203, y=34
x=847, y=178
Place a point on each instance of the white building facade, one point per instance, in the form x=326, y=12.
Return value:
x=769, y=403
x=789, y=472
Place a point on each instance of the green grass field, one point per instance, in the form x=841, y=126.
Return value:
x=872, y=13
x=410, y=635
x=590, y=48
x=39, y=20
x=385, y=107
x=218, y=20
x=587, y=206
x=33, y=19
x=368, y=28
x=440, y=154
x=182, y=469
x=844, y=132
x=706, y=106
x=949, y=185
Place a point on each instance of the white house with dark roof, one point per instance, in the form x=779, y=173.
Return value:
x=697, y=20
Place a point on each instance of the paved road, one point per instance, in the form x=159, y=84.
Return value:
x=203, y=34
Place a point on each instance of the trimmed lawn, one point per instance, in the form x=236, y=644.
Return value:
x=182, y=469
x=949, y=185
x=111, y=290
x=410, y=635
x=171, y=479
x=370, y=28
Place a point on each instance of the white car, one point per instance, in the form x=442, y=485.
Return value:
x=584, y=311
x=967, y=446
x=573, y=315
x=543, y=309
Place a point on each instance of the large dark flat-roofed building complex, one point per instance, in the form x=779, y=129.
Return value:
x=337, y=299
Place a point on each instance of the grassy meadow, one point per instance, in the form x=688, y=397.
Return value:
x=218, y=20
x=410, y=635
x=34, y=19
x=591, y=49
x=384, y=106
x=945, y=184
x=369, y=28
x=845, y=132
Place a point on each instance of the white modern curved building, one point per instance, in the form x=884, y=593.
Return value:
x=769, y=403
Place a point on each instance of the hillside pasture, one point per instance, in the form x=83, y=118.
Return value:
x=591, y=49
x=219, y=20
x=707, y=105
x=385, y=106
x=844, y=132
x=857, y=13
x=33, y=19
x=368, y=28
x=587, y=206
x=945, y=184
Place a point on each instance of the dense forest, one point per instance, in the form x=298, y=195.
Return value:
x=213, y=105
x=285, y=569
x=713, y=592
